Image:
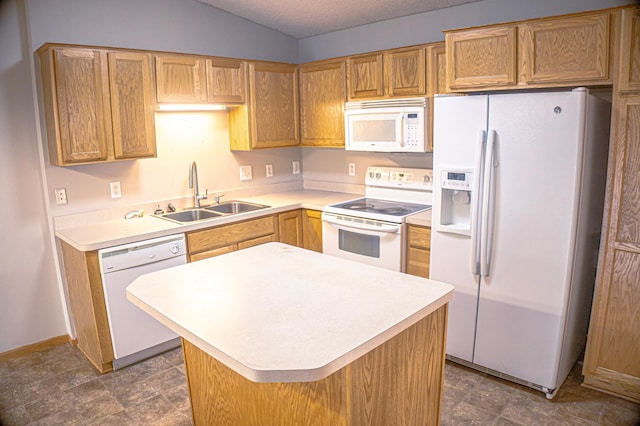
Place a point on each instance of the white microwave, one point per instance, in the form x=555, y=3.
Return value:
x=390, y=125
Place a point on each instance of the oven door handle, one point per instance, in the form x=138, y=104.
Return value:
x=390, y=229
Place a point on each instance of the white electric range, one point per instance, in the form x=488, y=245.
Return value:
x=372, y=229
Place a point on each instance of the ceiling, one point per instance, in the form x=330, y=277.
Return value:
x=305, y=18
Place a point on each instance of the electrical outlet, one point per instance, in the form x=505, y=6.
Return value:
x=352, y=169
x=61, y=196
x=116, y=190
x=269, y=170
x=245, y=173
x=296, y=167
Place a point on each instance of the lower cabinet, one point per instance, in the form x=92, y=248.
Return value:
x=290, y=228
x=312, y=230
x=418, y=250
x=86, y=297
x=227, y=238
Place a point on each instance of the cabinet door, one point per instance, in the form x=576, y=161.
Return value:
x=273, y=109
x=226, y=80
x=405, y=72
x=131, y=84
x=312, y=230
x=612, y=354
x=630, y=50
x=418, y=250
x=365, y=76
x=437, y=69
x=481, y=57
x=181, y=79
x=290, y=228
x=322, y=97
x=565, y=49
x=78, y=114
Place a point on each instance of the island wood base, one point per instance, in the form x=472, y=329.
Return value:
x=398, y=383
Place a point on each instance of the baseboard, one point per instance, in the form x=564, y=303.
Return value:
x=36, y=347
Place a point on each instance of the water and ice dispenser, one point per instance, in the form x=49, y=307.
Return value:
x=456, y=191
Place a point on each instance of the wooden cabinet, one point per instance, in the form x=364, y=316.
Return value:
x=393, y=73
x=322, y=97
x=565, y=49
x=226, y=81
x=560, y=51
x=181, y=79
x=198, y=80
x=437, y=71
x=629, y=78
x=290, y=228
x=481, y=57
x=312, y=230
x=226, y=238
x=86, y=299
x=405, y=72
x=613, y=349
x=132, y=105
x=98, y=104
x=418, y=250
x=270, y=118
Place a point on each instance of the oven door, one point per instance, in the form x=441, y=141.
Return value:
x=362, y=240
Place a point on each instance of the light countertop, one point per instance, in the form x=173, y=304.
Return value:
x=422, y=218
x=107, y=233
x=278, y=313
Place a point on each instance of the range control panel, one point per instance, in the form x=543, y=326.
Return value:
x=394, y=177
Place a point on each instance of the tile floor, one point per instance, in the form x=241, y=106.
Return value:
x=58, y=386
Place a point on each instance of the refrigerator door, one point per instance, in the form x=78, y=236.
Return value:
x=536, y=169
x=457, y=123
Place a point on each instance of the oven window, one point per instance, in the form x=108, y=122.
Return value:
x=362, y=244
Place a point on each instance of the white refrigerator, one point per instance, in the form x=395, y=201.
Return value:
x=519, y=182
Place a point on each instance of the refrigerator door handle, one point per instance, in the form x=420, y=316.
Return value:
x=475, y=208
x=488, y=203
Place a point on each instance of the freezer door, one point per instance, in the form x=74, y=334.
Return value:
x=457, y=121
x=521, y=311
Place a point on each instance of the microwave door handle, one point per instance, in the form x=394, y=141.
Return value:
x=402, y=126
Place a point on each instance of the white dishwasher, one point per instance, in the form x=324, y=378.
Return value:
x=135, y=335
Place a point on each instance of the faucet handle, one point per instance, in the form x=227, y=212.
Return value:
x=203, y=196
x=217, y=198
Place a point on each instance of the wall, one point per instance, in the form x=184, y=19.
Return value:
x=427, y=27
x=30, y=303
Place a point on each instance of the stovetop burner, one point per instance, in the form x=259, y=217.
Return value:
x=382, y=207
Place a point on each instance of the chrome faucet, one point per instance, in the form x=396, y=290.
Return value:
x=193, y=183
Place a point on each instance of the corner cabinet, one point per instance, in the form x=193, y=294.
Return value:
x=98, y=104
x=290, y=228
x=323, y=92
x=270, y=118
x=560, y=51
x=312, y=230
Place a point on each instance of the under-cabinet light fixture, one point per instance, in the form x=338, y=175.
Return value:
x=191, y=107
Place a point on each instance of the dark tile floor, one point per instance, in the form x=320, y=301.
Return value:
x=59, y=386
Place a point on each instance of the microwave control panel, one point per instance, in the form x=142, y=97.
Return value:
x=412, y=130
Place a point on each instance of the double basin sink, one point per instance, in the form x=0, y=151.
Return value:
x=211, y=212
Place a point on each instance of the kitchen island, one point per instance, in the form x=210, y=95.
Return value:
x=275, y=334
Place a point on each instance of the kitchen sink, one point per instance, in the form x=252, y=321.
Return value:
x=234, y=207
x=190, y=215
x=212, y=212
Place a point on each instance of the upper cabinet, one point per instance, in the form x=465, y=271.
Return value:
x=226, y=81
x=551, y=52
x=323, y=93
x=98, y=104
x=392, y=73
x=192, y=79
x=630, y=47
x=484, y=57
x=270, y=117
x=181, y=79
